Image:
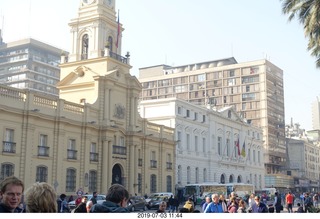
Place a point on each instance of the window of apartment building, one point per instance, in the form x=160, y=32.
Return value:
x=179, y=140
x=231, y=81
x=153, y=183
x=179, y=110
x=195, y=116
x=43, y=149
x=169, y=183
x=71, y=180
x=42, y=174
x=204, y=144
x=247, y=88
x=188, y=142
x=93, y=180
x=197, y=175
x=188, y=175
x=259, y=157
x=249, y=154
x=122, y=143
x=188, y=113
x=220, y=145
x=196, y=143
x=254, y=155
x=203, y=118
x=7, y=169
x=201, y=77
x=9, y=135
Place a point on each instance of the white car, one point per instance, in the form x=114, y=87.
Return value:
x=100, y=199
x=159, y=194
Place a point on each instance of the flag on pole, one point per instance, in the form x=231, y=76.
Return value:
x=118, y=32
x=238, y=146
x=243, y=151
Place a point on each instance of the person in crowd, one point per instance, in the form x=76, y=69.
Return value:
x=41, y=198
x=94, y=198
x=63, y=204
x=277, y=202
x=315, y=200
x=78, y=199
x=116, y=201
x=82, y=207
x=289, y=202
x=171, y=202
x=205, y=204
x=71, y=198
x=162, y=207
x=233, y=207
x=307, y=203
x=176, y=203
x=251, y=200
x=184, y=210
x=242, y=207
x=232, y=194
x=300, y=209
x=214, y=206
x=258, y=206
x=223, y=203
x=11, y=190
x=189, y=204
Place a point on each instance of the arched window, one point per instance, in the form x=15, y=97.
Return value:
x=169, y=184
x=7, y=169
x=110, y=43
x=204, y=175
x=71, y=180
x=239, y=180
x=153, y=183
x=231, y=179
x=222, y=179
x=92, y=181
x=188, y=175
x=42, y=174
x=85, y=47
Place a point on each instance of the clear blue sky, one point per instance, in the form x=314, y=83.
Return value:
x=178, y=32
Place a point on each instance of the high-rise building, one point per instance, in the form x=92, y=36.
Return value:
x=316, y=114
x=30, y=64
x=254, y=88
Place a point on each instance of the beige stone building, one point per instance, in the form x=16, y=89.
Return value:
x=92, y=136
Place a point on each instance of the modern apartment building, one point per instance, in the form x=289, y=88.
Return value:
x=30, y=64
x=212, y=145
x=254, y=89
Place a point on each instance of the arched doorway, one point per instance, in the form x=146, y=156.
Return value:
x=116, y=174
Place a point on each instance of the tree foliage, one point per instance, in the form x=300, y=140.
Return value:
x=308, y=14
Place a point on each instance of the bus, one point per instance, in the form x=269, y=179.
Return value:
x=201, y=190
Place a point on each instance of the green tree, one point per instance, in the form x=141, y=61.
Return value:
x=308, y=14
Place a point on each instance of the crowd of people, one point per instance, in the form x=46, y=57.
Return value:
x=41, y=198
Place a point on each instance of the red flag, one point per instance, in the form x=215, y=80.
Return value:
x=118, y=33
x=238, y=146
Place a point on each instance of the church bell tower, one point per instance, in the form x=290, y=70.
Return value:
x=96, y=27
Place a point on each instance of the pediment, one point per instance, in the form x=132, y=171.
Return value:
x=230, y=113
x=80, y=75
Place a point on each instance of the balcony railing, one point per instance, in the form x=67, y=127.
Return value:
x=118, y=57
x=119, y=150
x=72, y=154
x=43, y=151
x=169, y=165
x=94, y=156
x=153, y=163
x=140, y=162
x=9, y=147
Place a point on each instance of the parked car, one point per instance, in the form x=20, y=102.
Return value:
x=137, y=203
x=159, y=194
x=100, y=199
x=155, y=202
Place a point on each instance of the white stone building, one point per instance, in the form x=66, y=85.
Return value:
x=207, y=140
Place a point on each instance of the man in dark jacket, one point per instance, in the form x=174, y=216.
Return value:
x=258, y=206
x=11, y=190
x=116, y=201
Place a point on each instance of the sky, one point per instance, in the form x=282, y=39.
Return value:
x=180, y=32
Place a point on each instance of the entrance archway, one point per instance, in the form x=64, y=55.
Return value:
x=117, y=174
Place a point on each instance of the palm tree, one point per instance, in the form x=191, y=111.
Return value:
x=308, y=14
